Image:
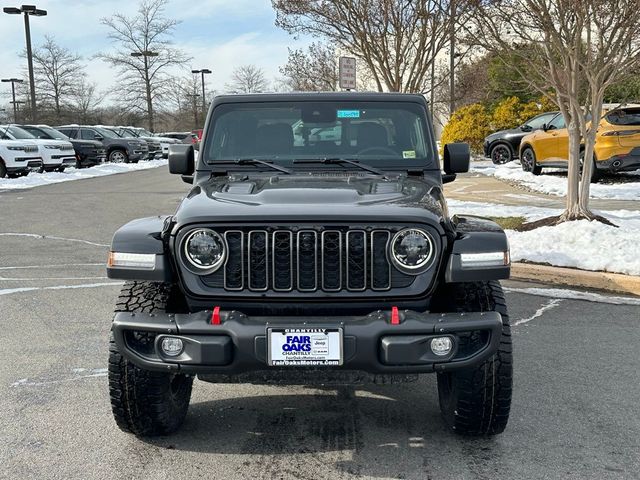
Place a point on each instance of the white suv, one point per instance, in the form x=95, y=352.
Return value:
x=18, y=157
x=56, y=154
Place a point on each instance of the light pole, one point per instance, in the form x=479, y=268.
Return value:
x=13, y=82
x=203, y=72
x=146, y=54
x=28, y=10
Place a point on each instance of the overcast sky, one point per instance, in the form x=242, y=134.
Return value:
x=218, y=34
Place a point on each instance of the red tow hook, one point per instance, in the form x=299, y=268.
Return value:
x=395, y=316
x=215, y=316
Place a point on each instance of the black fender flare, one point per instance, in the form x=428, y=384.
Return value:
x=477, y=235
x=143, y=236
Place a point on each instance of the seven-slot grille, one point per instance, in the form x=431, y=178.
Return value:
x=307, y=260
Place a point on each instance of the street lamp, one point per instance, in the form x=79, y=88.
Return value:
x=146, y=54
x=28, y=10
x=13, y=82
x=203, y=72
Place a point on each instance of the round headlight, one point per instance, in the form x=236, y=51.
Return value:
x=205, y=250
x=412, y=250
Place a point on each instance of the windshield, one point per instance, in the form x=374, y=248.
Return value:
x=17, y=133
x=53, y=133
x=377, y=133
x=107, y=133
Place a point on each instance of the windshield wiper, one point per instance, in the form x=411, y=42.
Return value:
x=338, y=161
x=253, y=161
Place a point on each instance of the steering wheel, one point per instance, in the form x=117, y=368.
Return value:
x=379, y=149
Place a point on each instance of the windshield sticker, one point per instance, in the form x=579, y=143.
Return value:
x=409, y=154
x=348, y=114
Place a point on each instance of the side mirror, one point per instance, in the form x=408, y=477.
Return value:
x=181, y=159
x=457, y=158
x=526, y=128
x=545, y=127
x=98, y=137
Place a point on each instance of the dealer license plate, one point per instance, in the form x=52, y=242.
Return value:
x=304, y=347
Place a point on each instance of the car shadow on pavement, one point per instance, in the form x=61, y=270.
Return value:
x=373, y=431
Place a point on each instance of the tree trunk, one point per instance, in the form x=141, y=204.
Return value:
x=574, y=210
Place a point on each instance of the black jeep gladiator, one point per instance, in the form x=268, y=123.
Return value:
x=315, y=247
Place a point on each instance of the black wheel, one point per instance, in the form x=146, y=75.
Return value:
x=528, y=161
x=61, y=169
x=143, y=402
x=3, y=169
x=477, y=401
x=501, y=154
x=118, y=156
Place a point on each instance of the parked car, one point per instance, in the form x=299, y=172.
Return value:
x=504, y=146
x=182, y=137
x=317, y=262
x=165, y=142
x=155, y=150
x=55, y=154
x=196, y=135
x=88, y=152
x=617, y=147
x=119, y=150
x=18, y=157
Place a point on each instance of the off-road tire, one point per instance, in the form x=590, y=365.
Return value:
x=477, y=401
x=145, y=403
x=528, y=161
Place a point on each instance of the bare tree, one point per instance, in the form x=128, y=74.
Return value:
x=57, y=73
x=315, y=69
x=247, y=79
x=144, y=56
x=397, y=40
x=86, y=100
x=577, y=48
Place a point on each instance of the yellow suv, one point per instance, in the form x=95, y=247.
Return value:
x=617, y=146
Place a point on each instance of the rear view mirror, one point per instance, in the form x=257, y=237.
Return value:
x=181, y=159
x=457, y=158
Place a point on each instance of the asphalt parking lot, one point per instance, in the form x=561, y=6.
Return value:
x=574, y=414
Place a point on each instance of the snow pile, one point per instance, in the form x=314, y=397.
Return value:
x=557, y=185
x=582, y=244
x=39, y=179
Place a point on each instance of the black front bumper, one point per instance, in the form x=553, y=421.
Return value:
x=371, y=343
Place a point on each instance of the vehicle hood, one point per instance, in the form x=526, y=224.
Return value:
x=57, y=143
x=510, y=133
x=17, y=143
x=323, y=197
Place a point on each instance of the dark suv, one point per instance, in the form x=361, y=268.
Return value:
x=119, y=150
x=88, y=152
x=503, y=146
x=314, y=247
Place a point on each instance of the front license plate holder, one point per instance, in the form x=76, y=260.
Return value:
x=305, y=347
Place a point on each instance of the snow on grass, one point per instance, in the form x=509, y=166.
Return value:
x=557, y=185
x=581, y=244
x=39, y=179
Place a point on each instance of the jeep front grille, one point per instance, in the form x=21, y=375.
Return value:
x=307, y=260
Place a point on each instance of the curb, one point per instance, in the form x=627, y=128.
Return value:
x=610, y=282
